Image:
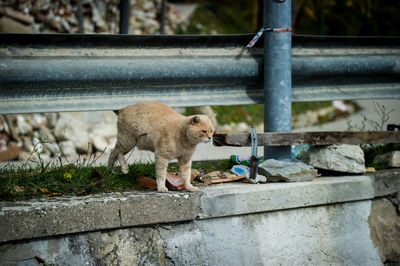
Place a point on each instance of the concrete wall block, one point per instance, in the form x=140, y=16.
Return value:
x=237, y=199
x=326, y=235
x=50, y=217
x=153, y=207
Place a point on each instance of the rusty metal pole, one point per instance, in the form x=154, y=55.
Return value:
x=277, y=73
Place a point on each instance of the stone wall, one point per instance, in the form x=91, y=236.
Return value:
x=336, y=220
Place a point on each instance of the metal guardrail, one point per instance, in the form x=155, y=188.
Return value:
x=51, y=73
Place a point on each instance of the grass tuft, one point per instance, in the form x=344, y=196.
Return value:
x=78, y=179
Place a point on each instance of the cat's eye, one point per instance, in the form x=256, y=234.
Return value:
x=204, y=131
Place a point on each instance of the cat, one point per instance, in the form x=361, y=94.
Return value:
x=158, y=128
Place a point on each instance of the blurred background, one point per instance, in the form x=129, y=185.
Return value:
x=317, y=17
x=312, y=17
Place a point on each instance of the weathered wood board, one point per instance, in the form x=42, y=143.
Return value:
x=308, y=138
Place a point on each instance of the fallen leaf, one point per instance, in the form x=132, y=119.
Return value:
x=370, y=170
x=44, y=190
x=19, y=188
x=53, y=194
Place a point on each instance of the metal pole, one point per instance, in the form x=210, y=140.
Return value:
x=277, y=74
x=124, y=11
x=162, y=16
x=81, y=29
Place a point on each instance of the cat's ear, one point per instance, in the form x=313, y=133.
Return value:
x=195, y=120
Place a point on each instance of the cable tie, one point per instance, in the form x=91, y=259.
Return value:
x=258, y=35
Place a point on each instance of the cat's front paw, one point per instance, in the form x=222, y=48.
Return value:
x=162, y=189
x=191, y=188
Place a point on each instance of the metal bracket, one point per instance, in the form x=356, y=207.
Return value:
x=254, y=141
x=254, y=177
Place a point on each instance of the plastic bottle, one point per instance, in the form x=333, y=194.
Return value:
x=244, y=160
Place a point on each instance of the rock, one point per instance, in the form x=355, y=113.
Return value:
x=53, y=149
x=38, y=121
x=68, y=149
x=104, y=130
x=276, y=170
x=28, y=157
x=25, y=18
x=3, y=124
x=97, y=19
x=11, y=26
x=23, y=126
x=242, y=127
x=70, y=128
x=28, y=144
x=49, y=141
x=384, y=223
x=3, y=142
x=100, y=143
x=391, y=159
x=45, y=135
x=51, y=119
x=307, y=119
x=341, y=158
x=102, y=136
x=10, y=153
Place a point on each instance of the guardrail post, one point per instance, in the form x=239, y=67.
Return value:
x=277, y=73
x=124, y=11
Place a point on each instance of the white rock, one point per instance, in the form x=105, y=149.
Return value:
x=68, y=127
x=53, y=149
x=28, y=157
x=45, y=135
x=242, y=127
x=51, y=119
x=104, y=130
x=24, y=128
x=392, y=159
x=68, y=148
x=276, y=170
x=100, y=143
x=38, y=120
x=342, y=158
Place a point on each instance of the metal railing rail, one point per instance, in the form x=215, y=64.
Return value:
x=52, y=73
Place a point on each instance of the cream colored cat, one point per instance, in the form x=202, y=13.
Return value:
x=158, y=128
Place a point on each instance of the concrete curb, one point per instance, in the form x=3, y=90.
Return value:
x=66, y=215
x=58, y=216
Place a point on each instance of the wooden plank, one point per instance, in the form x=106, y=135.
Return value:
x=230, y=178
x=308, y=138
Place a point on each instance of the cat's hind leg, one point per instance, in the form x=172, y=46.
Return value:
x=121, y=148
x=113, y=157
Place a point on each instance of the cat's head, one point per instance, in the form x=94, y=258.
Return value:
x=200, y=129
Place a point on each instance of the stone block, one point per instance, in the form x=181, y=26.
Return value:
x=276, y=170
x=341, y=158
